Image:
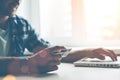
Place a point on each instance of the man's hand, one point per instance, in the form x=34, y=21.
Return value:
x=100, y=53
x=45, y=60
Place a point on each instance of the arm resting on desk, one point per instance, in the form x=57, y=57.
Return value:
x=13, y=65
x=74, y=56
x=99, y=53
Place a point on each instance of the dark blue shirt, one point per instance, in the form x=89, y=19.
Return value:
x=22, y=36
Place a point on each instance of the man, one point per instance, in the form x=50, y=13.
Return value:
x=16, y=34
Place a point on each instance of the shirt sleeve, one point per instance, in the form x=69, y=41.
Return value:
x=33, y=41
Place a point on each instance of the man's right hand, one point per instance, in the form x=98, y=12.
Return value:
x=45, y=60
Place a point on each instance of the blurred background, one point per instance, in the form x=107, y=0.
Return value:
x=75, y=23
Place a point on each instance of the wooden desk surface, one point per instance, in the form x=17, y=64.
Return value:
x=67, y=71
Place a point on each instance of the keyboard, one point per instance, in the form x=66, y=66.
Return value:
x=107, y=63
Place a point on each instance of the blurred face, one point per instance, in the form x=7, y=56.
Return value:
x=9, y=7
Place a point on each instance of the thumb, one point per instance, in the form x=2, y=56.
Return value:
x=102, y=57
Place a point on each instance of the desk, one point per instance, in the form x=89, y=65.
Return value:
x=67, y=71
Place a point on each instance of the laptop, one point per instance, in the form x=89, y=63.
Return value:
x=107, y=63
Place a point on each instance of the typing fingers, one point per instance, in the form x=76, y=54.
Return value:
x=115, y=56
x=105, y=52
x=100, y=56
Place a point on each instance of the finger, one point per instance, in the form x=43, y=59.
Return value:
x=45, y=69
x=111, y=55
x=105, y=52
x=56, y=49
x=54, y=63
x=99, y=56
x=52, y=68
x=115, y=56
x=57, y=57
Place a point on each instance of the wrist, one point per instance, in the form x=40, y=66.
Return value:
x=33, y=67
x=88, y=53
x=24, y=66
x=19, y=65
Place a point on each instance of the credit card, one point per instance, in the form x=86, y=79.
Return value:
x=63, y=53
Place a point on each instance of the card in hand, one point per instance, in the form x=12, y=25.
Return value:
x=64, y=52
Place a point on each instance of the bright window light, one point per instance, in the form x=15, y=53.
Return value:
x=76, y=22
x=55, y=18
x=101, y=19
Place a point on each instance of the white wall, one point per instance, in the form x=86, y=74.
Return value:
x=24, y=9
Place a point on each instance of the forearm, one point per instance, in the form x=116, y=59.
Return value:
x=12, y=65
x=75, y=55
